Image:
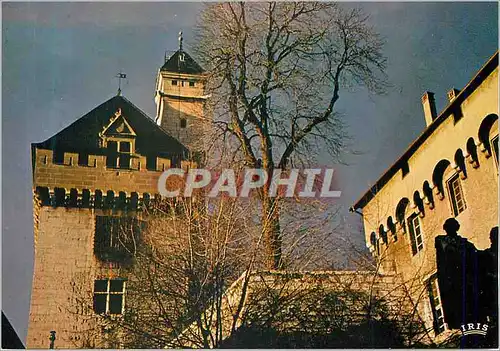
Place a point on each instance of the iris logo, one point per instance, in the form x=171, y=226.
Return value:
x=474, y=328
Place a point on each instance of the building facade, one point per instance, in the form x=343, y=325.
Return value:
x=450, y=170
x=90, y=180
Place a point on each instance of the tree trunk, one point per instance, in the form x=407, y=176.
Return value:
x=271, y=232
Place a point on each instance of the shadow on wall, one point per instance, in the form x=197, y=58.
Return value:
x=468, y=282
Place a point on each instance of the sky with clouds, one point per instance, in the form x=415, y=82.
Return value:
x=59, y=61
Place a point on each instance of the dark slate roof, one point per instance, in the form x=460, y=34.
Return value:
x=10, y=339
x=188, y=66
x=83, y=134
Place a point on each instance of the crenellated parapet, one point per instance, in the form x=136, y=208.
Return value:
x=96, y=199
x=94, y=184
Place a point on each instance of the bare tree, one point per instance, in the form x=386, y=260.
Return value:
x=276, y=71
x=193, y=280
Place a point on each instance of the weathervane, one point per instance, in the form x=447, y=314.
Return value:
x=120, y=76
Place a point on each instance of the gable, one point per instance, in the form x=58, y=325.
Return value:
x=118, y=126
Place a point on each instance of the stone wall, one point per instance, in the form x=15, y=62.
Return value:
x=479, y=183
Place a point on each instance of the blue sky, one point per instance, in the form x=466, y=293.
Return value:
x=59, y=60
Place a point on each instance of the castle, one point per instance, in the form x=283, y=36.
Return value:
x=450, y=170
x=102, y=171
x=97, y=174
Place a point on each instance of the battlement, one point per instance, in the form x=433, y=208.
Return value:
x=97, y=199
x=137, y=162
x=97, y=174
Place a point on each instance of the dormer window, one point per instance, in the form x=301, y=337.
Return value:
x=181, y=57
x=118, y=138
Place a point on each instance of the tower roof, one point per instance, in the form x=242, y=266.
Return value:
x=182, y=62
x=83, y=134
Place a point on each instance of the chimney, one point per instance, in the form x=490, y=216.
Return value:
x=429, y=105
x=452, y=94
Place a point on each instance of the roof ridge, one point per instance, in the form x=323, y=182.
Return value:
x=150, y=120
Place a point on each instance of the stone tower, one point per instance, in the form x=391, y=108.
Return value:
x=95, y=176
x=180, y=99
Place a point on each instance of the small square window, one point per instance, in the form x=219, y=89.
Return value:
x=174, y=82
x=191, y=84
x=109, y=296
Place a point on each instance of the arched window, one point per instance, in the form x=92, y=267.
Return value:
x=460, y=162
x=400, y=212
x=472, y=151
x=437, y=176
x=428, y=194
x=484, y=131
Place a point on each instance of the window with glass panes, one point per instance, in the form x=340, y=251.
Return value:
x=437, y=307
x=456, y=195
x=417, y=242
x=109, y=296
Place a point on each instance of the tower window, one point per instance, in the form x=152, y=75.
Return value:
x=174, y=82
x=191, y=84
x=456, y=195
x=183, y=123
x=417, y=242
x=109, y=296
x=436, y=306
x=116, y=238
